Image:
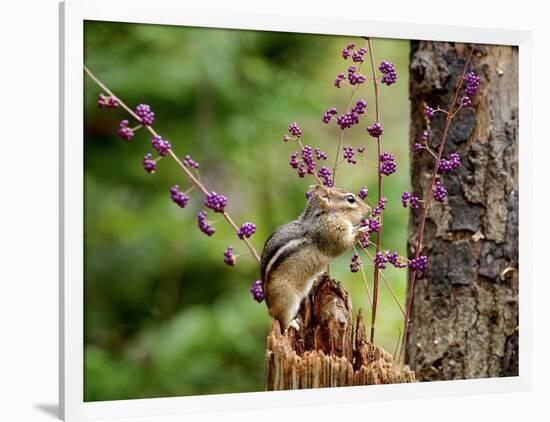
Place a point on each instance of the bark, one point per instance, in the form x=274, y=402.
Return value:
x=465, y=308
x=323, y=353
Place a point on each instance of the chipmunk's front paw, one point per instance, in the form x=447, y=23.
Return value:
x=294, y=324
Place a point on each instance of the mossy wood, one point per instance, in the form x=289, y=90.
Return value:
x=328, y=351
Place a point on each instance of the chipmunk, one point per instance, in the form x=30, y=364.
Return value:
x=299, y=251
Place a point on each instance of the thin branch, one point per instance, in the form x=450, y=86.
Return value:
x=190, y=175
x=379, y=148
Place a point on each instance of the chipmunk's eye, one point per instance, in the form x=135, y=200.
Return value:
x=350, y=199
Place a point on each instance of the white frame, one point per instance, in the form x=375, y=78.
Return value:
x=72, y=15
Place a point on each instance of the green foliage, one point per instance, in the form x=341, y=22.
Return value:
x=163, y=315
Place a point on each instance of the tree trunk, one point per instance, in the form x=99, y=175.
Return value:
x=323, y=353
x=465, y=308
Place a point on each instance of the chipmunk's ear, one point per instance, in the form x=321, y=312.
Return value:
x=321, y=194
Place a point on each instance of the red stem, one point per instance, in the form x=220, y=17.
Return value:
x=420, y=233
x=379, y=233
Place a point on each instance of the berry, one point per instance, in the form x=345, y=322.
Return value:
x=419, y=264
x=381, y=206
x=390, y=75
x=189, y=162
x=425, y=135
x=428, y=111
x=294, y=130
x=387, y=164
x=363, y=192
x=293, y=160
x=107, y=102
x=320, y=154
x=347, y=120
x=375, y=130
x=466, y=102
x=355, y=263
x=307, y=159
x=418, y=147
x=359, y=107
x=149, y=164
x=338, y=81
x=361, y=149
x=346, y=52
x=228, y=257
x=246, y=230
x=325, y=174
x=472, y=84
x=286, y=138
x=178, y=197
x=204, y=227
x=160, y=145
x=215, y=201
x=145, y=114
x=328, y=114
x=257, y=291
x=124, y=131
x=348, y=154
x=394, y=259
x=380, y=260
x=408, y=199
x=450, y=164
x=439, y=192
x=355, y=78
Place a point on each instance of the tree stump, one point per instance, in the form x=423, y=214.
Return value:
x=465, y=307
x=324, y=353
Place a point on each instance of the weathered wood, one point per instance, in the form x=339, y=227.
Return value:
x=322, y=353
x=465, y=309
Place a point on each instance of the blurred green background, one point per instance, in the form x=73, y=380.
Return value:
x=164, y=316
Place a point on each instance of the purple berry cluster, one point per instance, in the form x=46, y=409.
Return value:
x=228, y=257
x=428, y=111
x=307, y=159
x=358, y=56
x=215, y=202
x=347, y=120
x=472, y=84
x=466, y=102
x=372, y=225
x=355, y=78
x=381, y=206
x=246, y=230
x=124, y=131
x=394, y=259
x=338, y=81
x=348, y=154
x=204, y=227
x=321, y=155
x=178, y=197
x=363, y=192
x=375, y=130
x=390, y=75
x=419, y=264
x=380, y=260
x=450, y=164
x=355, y=263
x=107, y=102
x=346, y=52
x=325, y=174
x=149, y=164
x=257, y=291
x=145, y=114
x=328, y=115
x=439, y=193
x=189, y=162
x=295, y=130
x=160, y=145
x=387, y=164
x=408, y=199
